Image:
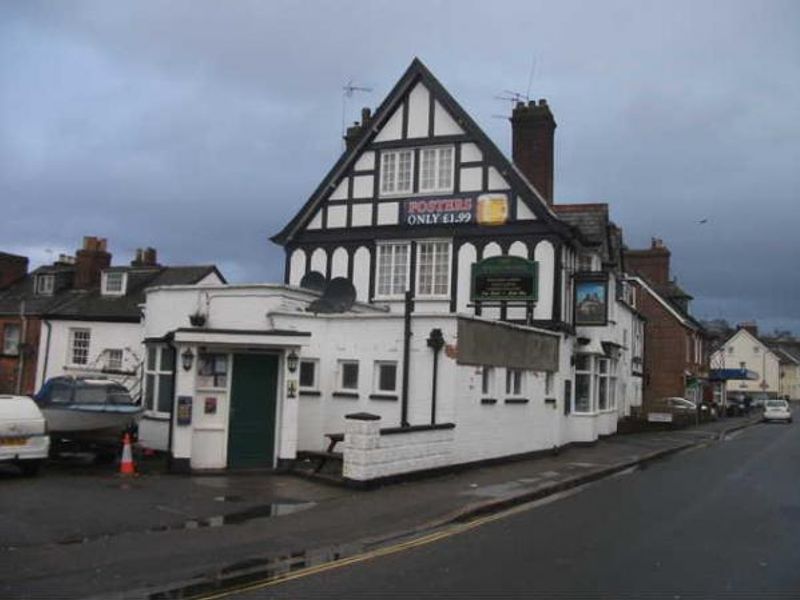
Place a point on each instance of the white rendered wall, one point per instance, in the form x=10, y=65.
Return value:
x=544, y=254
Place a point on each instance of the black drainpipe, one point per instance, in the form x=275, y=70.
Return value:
x=409, y=307
x=436, y=343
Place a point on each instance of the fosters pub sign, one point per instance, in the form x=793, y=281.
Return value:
x=483, y=209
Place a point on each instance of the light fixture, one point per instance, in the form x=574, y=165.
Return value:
x=291, y=361
x=187, y=358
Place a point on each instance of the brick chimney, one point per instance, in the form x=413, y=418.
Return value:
x=750, y=327
x=90, y=261
x=356, y=129
x=651, y=263
x=12, y=268
x=532, y=132
x=145, y=257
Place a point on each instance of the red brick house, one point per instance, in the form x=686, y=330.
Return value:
x=676, y=344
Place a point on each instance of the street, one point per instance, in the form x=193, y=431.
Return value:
x=714, y=522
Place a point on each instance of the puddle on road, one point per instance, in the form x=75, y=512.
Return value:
x=265, y=511
x=255, y=570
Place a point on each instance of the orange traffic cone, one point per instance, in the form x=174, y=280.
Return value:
x=126, y=466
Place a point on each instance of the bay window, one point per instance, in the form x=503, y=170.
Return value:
x=433, y=269
x=583, y=383
x=595, y=383
x=159, y=379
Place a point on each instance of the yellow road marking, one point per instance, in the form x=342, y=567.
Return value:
x=386, y=551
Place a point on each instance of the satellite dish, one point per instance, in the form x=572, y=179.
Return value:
x=337, y=297
x=313, y=280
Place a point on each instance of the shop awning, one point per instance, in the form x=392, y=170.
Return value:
x=275, y=338
x=732, y=375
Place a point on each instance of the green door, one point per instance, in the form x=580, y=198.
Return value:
x=251, y=428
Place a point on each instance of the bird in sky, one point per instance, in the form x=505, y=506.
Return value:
x=702, y=221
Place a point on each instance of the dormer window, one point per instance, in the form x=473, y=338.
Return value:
x=114, y=283
x=45, y=284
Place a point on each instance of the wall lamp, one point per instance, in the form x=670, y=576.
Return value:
x=291, y=361
x=187, y=358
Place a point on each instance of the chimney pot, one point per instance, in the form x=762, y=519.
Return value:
x=90, y=261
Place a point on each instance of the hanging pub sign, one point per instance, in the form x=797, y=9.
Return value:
x=483, y=209
x=591, y=300
x=505, y=279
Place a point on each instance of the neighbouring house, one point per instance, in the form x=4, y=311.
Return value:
x=789, y=386
x=81, y=316
x=744, y=350
x=438, y=308
x=676, y=355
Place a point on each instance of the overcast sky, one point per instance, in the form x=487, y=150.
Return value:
x=200, y=127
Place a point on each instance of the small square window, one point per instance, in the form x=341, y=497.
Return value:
x=308, y=374
x=114, y=359
x=386, y=377
x=348, y=375
x=11, y=339
x=45, y=284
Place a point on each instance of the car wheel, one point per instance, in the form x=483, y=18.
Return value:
x=30, y=468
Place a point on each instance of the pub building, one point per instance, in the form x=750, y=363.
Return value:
x=438, y=308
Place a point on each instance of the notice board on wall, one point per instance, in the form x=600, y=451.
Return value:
x=498, y=345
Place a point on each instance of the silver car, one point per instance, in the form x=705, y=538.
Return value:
x=777, y=410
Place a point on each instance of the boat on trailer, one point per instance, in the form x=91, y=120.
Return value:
x=88, y=410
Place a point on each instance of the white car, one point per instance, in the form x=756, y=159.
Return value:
x=23, y=433
x=777, y=410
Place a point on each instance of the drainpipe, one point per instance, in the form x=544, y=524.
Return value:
x=46, y=350
x=435, y=343
x=21, y=347
x=175, y=368
x=409, y=307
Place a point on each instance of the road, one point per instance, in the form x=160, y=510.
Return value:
x=721, y=521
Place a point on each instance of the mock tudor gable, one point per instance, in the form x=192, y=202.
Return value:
x=420, y=194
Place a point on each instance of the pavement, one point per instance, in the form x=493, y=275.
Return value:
x=80, y=530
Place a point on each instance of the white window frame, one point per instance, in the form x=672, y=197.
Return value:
x=437, y=185
x=394, y=292
x=314, y=384
x=340, y=375
x=11, y=349
x=112, y=362
x=376, y=387
x=433, y=295
x=45, y=284
x=157, y=373
x=390, y=180
x=76, y=350
x=123, y=283
x=590, y=374
x=515, y=383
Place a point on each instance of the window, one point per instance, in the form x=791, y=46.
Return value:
x=487, y=381
x=756, y=349
x=585, y=262
x=212, y=371
x=114, y=283
x=436, y=169
x=567, y=397
x=308, y=374
x=348, y=374
x=386, y=377
x=113, y=359
x=45, y=284
x=583, y=383
x=602, y=383
x=392, y=269
x=513, y=382
x=730, y=349
x=159, y=378
x=11, y=339
x=433, y=271
x=79, y=346
x=397, y=171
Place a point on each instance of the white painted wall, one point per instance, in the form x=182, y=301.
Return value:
x=544, y=254
x=743, y=347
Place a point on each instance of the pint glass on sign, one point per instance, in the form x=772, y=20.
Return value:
x=492, y=209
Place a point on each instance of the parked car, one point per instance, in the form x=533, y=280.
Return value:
x=777, y=410
x=23, y=433
x=681, y=405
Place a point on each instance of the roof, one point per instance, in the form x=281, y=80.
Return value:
x=22, y=290
x=682, y=317
x=89, y=304
x=590, y=219
x=418, y=72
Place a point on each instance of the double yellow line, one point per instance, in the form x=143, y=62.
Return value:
x=449, y=531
